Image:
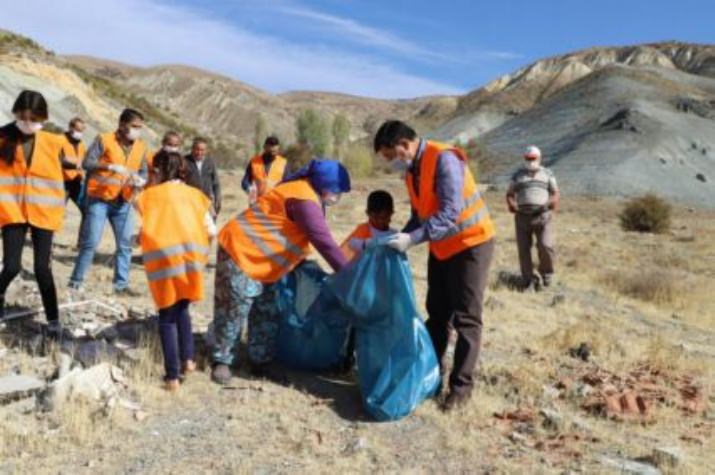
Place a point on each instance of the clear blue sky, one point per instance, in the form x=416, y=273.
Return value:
x=376, y=48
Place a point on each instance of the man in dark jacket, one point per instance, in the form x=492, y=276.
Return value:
x=203, y=174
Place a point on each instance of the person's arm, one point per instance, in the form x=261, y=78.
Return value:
x=216, y=184
x=413, y=223
x=247, y=178
x=449, y=184
x=511, y=197
x=310, y=218
x=144, y=167
x=554, y=194
x=91, y=160
x=66, y=163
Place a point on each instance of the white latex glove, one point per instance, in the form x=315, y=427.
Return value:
x=118, y=169
x=139, y=181
x=400, y=242
x=252, y=194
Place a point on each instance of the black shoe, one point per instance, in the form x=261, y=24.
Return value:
x=455, y=401
x=221, y=374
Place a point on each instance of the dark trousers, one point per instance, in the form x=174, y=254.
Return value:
x=13, y=240
x=455, y=295
x=177, y=340
x=73, y=191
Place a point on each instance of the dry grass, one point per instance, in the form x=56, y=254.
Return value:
x=260, y=426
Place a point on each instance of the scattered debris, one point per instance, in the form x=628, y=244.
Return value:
x=626, y=466
x=582, y=352
x=18, y=386
x=552, y=419
x=667, y=457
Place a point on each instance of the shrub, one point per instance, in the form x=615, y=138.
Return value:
x=658, y=287
x=359, y=161
x=298, y=155
x=646, y=214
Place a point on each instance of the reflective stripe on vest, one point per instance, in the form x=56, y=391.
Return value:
x=33, y=195
x=262, y=241
x=175, y=251
x=174, y=241
x=180, y=269
x=473, y=225
x=106, y=185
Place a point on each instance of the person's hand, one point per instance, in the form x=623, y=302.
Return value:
x=118, y=169
x=400, y=242
x=137, y=181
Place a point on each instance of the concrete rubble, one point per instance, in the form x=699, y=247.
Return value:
x=98, y=336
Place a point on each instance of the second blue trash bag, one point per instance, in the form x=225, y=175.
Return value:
x=397, y=365
x=313, y=330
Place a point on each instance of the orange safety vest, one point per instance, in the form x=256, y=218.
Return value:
x=262, y=241
x=363, y=231
x=174, y=241
x=474, y=225
x=34, y=195
x=267, y=181
x=106, y=185
x=72, y=155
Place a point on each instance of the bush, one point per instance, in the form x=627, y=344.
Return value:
x=658, y=287
x=646, y=214
x=359, y=161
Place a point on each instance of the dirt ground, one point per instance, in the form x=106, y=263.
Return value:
x=641, y=304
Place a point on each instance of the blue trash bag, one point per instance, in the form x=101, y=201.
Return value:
x=313, y=330
x=397, y=365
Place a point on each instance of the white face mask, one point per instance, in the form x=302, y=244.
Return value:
x=532, y=165
x=400, y=165
x=134, y=133
x=170, y=149
x=331, y=199
x=76, y=135
x=28, y=127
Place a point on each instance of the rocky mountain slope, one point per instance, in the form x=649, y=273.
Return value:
x=609, y=120
x=616, y=121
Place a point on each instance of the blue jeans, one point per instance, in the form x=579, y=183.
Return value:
x=120, y=217
x=177, y=340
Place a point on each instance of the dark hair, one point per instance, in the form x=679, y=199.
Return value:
x=170, y=166
x=74, y=121
x=129, y=115
x=271, y=141
x=170, y=133
x=391, y=132
x=380, y=200
x=198, y=140
x=32, y=101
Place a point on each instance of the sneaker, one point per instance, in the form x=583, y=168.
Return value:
x=126, y=292
x=221, y=374
x=172, y=385
x=454, y=401
x=547, y=279
x=188, y=366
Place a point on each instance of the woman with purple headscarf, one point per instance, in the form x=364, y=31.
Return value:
x=261, y=245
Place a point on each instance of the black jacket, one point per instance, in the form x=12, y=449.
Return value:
x=206, y=180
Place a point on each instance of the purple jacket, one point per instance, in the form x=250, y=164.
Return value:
x=310, y=217
x=449, y=184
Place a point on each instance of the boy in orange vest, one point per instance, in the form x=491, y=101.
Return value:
x=380, y=208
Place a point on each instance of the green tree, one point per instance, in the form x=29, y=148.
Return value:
x=312, y=130
x=259, y=133
x=341, y=135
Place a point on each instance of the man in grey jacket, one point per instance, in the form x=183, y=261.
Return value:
x=203, y=174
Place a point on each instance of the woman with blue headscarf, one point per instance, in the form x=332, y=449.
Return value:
x=263, y=244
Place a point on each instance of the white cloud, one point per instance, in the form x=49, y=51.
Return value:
x=149, y=33
x=350, y=29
